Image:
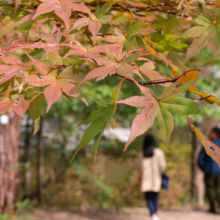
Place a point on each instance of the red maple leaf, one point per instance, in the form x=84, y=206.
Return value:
x=62, y=9
x=92, y=22
x=18, y=104
x=9, y=71
x=56, y=84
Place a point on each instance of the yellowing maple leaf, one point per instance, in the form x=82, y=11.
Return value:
x=193, y=75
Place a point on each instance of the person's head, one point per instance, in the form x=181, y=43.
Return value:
x=215, y=133
x=148, y=146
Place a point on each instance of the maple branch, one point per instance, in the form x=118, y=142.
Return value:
x=157, y=82
x=135, y=10
x=166, y=8
x=12, y=4
x=153, y=82
x=162, y=81
x=62, y=66
x=201, y=99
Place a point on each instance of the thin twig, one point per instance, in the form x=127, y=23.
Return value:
x=205, y=98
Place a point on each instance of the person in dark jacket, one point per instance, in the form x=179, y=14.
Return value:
x=212, y=171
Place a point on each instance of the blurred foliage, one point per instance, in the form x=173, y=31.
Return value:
x=112, y=183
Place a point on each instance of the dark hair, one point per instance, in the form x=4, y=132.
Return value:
x=148, y=146
x=217, y=131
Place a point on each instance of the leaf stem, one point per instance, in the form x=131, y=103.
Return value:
x=213, y=14
x=190, y=123
x=24, y=87
x=210, y=5
x=120, y=89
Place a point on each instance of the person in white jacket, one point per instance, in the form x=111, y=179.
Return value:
x=152, y=167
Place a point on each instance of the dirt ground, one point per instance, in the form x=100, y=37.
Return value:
x=125, y=214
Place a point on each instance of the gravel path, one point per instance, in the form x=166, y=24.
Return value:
x=125, y=214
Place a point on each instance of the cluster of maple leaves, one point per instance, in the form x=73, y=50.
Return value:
x=44, y=69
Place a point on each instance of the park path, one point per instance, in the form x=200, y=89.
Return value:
x=125, y=214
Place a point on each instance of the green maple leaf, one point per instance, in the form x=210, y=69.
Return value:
x=99, y=120
x=206, y=34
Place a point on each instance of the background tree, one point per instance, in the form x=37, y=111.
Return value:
x=9, y=155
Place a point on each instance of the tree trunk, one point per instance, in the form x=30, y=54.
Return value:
x=9, y=155
x=40, y=164
x=27, y=159
x=197, y=176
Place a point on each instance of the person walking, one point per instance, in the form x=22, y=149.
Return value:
x=212, y=172
x=152, y=167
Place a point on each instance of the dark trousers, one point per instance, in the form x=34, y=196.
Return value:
x=212, y=183
x=152, y=199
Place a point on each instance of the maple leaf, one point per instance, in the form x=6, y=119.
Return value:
x=17, y=2
x=101, y=72
x=95, y=21
x=93, y=53
x=99, y=121
x=131, y=33
x=193, y=75
x=115, y=63
x=35, y=109
x=20, y=107
x=205, y=34
x=10, y=60
x=41, y=21
x=40, y=66
x=118, y=38
x=18, y=104
x=56, y=84
x=62, y=8
x=52, y=43
x=160, y=109
x=52, y=92
x=101, y=13
x=211, y=149
x=94, y=25
x=12, y=24
x=9, y=71
x=148, y=70
x=48, y=47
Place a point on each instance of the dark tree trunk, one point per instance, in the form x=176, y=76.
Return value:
x=9, y=155
x=27, y=159
x=40, y=164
